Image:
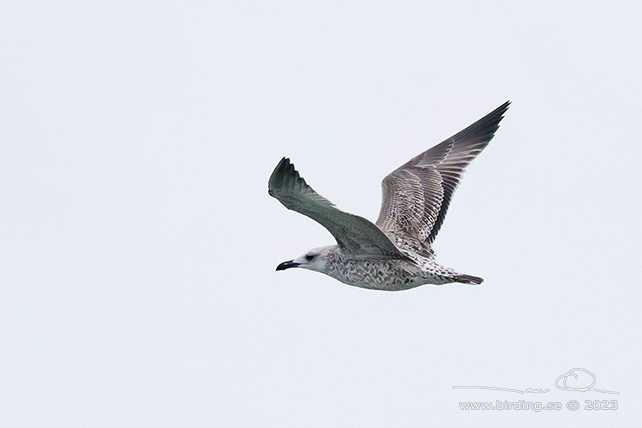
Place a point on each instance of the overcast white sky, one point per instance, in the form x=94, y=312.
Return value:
x=138, y=242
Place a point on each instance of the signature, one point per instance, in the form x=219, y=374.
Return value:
x=577, y=379
x=588, y=387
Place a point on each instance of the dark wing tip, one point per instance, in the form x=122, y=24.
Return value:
x=505, y=105
x=490, y=122
x=286, y=182
x=482, y=131
x=499, y=112
x=281, y=171
x=493, y=118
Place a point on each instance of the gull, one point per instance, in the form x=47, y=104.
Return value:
x=394, y=253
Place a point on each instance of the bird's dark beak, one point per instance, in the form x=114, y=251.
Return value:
x=287, y=265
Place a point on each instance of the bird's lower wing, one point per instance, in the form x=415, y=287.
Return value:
x=355, y=234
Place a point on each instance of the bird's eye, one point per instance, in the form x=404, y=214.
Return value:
x=309, y=257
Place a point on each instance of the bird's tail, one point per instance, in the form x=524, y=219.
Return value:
x=469, y=279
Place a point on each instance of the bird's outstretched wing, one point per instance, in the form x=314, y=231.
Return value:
x=355, y=234
x=417, y=194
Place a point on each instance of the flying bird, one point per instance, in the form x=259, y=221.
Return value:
x=395, y=252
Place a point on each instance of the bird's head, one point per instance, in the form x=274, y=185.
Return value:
x=315, y=259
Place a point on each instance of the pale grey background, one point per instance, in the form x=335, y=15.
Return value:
x=138, y=242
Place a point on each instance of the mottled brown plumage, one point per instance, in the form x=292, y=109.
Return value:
x=395, y=253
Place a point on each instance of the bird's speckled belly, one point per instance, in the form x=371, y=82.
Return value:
x=391, y=275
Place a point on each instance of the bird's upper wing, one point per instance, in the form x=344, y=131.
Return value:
x=353, y=233
x=417, y=194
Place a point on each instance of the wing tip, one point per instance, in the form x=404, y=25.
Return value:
x=278, y=176
x=501, y=110
x=485, y=128
x=495, y=116
x=285, y=179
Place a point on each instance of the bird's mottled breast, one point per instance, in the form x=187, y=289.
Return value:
x=386, y=274
x=374, y=274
